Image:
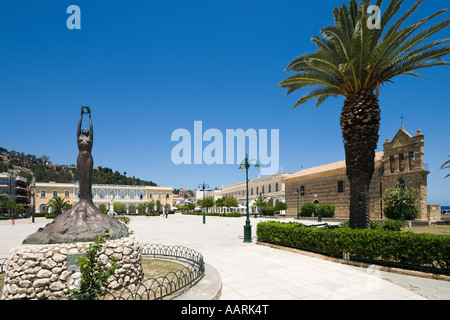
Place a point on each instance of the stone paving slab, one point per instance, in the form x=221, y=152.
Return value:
x=252, y=271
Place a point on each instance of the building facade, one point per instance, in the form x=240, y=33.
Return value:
x=14, y=189
x=272, y=187
x=403, y=157
x=102, y=194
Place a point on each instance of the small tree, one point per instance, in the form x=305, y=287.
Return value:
x=219, y=203
x=392, y=199
x=307, y=209
x=102, y=208
x=141, y=208
x=280, y=206
x=59, y=205
x=261, y=203
x=151, y=207
x=119, y=207
x=93, y=273
x=209, y=203
x=326, y=210
x=230, y=202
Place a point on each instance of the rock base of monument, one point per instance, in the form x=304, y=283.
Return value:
x=47, y=271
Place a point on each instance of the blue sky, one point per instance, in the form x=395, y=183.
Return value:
x=147, y=68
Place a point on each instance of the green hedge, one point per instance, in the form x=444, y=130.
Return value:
x=427, y=250
x=218, y=214
x=326, y=210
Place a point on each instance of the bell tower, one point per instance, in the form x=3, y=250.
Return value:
x=404, y=158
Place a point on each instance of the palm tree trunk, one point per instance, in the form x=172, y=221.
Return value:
x=360, y=121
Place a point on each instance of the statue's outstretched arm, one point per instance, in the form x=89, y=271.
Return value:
x=91, y=131
x=79, y=124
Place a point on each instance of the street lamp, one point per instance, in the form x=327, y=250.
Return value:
x=400, y=182
x=203, y=186
x=298, y=203
x=165, y=208
x=247, y=228
x=33, y=191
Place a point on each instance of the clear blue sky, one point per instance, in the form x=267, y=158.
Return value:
x=147, y=68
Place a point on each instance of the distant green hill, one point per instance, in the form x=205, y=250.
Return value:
x=42, y=170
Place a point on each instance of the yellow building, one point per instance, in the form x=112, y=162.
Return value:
x=129, y=195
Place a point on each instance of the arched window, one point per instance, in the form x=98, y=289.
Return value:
x=257, y=191
x=262, y=189
x=270, y=188
x=401, y=162
x=132, y=193
x=276, y=187
x=412, y=160
x=392, y=164
x=102, y=194
x=113, y=194
x=122, y=194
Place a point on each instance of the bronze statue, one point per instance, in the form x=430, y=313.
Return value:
x=85, y=163
x=84, y=222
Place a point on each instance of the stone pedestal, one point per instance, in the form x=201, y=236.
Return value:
x=41, y=271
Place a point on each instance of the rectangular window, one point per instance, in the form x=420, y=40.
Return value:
x=159, y=195
x=302, y=190
x=55, y=193
x=167, y=194
x=42, y=193
x=341, y=186
x=66, y=193
x=151, y=195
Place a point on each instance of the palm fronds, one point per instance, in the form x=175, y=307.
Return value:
x=446, y=165
x=352, y=56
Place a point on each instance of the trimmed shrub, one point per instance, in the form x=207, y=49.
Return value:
x=395, y=213
x=307, y=209
x=267, y=211
x=393, y=225
x=427, y=250
x=326, y=210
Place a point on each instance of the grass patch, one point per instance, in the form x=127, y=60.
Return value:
x=154, y=268
x=434, y=229
x=148, y=288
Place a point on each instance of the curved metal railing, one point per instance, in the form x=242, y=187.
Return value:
x=161, y=287
x=3, y=265
x=164, y=286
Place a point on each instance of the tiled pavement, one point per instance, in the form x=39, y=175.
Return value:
x=252, y=271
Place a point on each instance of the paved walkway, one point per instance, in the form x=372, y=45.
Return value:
x=252, y=271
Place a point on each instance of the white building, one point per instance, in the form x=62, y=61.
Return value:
x=271, y=187
x=129, y=195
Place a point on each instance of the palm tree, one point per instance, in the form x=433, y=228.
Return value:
x=353, y=60
x=260, y=202
x=59, y=204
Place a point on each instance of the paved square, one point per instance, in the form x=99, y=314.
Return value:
x=252, y=271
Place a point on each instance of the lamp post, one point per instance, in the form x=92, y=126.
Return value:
x=247, y=227
x=165, y=208
x=298, y=203
x=203, y=186
x=401, y=183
